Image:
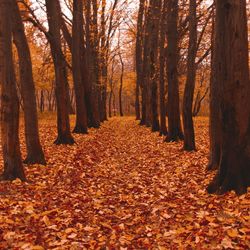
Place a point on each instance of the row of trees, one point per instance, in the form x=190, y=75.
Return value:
x=161, y=56
x=170, y=45
x=87, y=31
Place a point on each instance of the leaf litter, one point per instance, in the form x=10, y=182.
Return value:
x=121, y=187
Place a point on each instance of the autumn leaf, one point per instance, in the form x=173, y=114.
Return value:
x=131, y=196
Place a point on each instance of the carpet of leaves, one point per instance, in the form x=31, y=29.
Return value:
x=121, y=187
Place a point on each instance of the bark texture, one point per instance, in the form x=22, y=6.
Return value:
x=13, y=167
x=214, y=122
x=163, y=26
x=154, y=76
x=61, y=82
x=231, y=76
x=77, y=61
x=92, y=88
x=174, y=121
x=35, y=153
x=138, y=55
x=121, y=85
x=188, y=125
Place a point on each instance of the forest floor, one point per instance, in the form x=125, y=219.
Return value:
x=121, y=187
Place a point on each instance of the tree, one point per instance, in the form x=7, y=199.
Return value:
x=138, y=55
x=154, y=76
x=77, y=61
x=92, y=87
x=189, y=136
x=103, y=64
x=214, y=123
x=121, y=83
x=13, y=167
x=174, y=122
x=34, y=149
x=62, y=87
x=163, y=25
x=231, y=78
x=146, y=118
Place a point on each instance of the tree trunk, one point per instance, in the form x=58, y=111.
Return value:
x=62, y=87
x=92, y=83
x=143, y=104
x=153, y=84
x=231, y=76
x=139, y=45
x=137, y=102
x=35, y=153
x=174, y=121
x=198, y=102
x=214, y=122
x=41, y=101
x=95, y=57
x=114, y=104
x=189, y=136
x=146, y=90
x=110, y=103
x=103, y=64
x=163, y=26
x=103, y=101
x=121, y=84
x=13, y=167
x=77, y=53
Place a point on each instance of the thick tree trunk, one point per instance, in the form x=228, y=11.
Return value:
x=96, y=59
x=189, y=136
x=139, y=46
x=154, y=30
x=77, y=60
x=146, y=89
x=92, y=98
x=62, y=87
x=137, y=102
x=34, y=149
x=13, y=167
x=174, y=121
x=231, y=76
x=163, y=26
x=214, y=122
x=143, y=104
x=104, y=101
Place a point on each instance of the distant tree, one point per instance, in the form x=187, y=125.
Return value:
x=13, y=167
x=231, y=78
x=34, y=149
x=103, y=63
x=121, y=83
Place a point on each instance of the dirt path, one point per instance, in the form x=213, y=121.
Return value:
x=121, y=187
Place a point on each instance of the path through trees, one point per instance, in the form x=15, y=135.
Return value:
x=121, y=186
